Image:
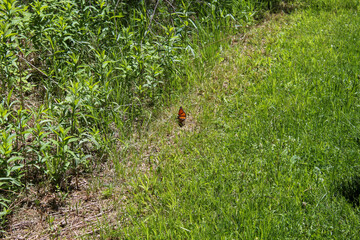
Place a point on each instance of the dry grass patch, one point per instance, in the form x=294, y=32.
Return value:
x=41, y=213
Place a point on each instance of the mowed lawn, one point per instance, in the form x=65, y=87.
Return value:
x=271, y=145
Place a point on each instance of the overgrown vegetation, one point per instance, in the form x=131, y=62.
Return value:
x=77, y=76
x=270, y=146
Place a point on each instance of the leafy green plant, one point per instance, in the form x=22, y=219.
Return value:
x=41, y=145
x=9, y=157
x=9, y=161
x=59, y=163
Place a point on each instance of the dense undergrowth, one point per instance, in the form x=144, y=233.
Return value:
x=78, y=76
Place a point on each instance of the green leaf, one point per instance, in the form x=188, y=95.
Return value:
x=14, y=159
x=118, y=16
x=14, y=168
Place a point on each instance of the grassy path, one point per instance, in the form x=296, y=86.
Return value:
x=270, y=149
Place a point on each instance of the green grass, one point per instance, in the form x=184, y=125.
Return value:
x=271, y=147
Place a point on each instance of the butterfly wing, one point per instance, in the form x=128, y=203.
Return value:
x=181, y=117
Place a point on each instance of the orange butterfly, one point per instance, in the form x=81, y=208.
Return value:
x=181, y=117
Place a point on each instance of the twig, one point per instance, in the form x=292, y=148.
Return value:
x=170, y=4
x=157, y=3
x=36, y=68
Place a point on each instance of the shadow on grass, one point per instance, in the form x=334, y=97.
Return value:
x=350, y=189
